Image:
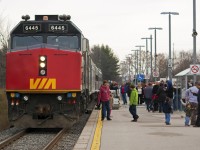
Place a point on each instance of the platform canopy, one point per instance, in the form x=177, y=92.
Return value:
x=185, y=72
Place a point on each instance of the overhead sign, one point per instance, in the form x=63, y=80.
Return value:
x=140, y=77
x=195, y=69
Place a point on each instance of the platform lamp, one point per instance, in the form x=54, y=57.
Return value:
x=155, y=28
x=170, y=59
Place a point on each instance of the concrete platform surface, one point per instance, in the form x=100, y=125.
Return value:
x=149, y=133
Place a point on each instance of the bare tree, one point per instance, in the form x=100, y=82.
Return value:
x=4, y=36
x=162, y=65
x=182, y=61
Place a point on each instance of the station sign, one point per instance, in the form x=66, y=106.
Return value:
x=140, y=77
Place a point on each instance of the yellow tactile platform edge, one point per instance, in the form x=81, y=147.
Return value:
x=96, y=143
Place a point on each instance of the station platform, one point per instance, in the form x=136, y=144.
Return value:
x=148, y=133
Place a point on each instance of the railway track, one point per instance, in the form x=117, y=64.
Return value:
x=43, y=139
x=11, y=139
x=21, y=138
x=51, y=144
x=63, y=139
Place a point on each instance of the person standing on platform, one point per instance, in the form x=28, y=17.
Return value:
x=192, y=104
x=128, y=90
x=197, y=124
x=148, y=96
x=104, y=97
x=155, y=99
x=167, y=109
x=161, y=96
x=133, y=103
x=170, y=91
x=123, y=93
x=140, y=93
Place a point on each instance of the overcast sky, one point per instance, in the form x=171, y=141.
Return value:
x=120, y=24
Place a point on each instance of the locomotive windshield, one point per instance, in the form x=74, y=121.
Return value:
x=60, y=42
x=26, y=41
x=63, y=42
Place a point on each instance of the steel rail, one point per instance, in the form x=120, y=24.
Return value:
x=55, y=140
x=12, y=138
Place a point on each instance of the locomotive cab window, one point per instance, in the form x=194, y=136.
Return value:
x=25, y=41
x=64, y=42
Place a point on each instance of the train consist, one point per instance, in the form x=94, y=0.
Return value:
x=50, y=76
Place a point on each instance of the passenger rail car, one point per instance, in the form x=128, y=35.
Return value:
x=50, y=77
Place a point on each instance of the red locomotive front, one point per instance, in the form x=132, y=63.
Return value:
x=62, y=71
x=47, y=72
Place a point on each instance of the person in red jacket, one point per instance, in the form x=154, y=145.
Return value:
x=104, y=97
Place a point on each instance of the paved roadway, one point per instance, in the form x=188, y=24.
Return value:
x=149, y=133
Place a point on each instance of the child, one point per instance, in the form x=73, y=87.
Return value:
x=187, y=108
x=167, y=109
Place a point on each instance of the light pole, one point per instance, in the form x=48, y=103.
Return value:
x=146, y=38
x=155, y=28
x=151, y=56
x=170, y=59
x=140, y=46
x=194, y=34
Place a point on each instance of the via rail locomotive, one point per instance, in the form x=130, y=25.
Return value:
x=50, y=76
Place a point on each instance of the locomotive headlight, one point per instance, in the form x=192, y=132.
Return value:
x=42, y=72
x=59, y=98
x=42, y=64
x=25, y=98
x=42, y=58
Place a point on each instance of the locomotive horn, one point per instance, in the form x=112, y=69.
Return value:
x=26, y=17
x=64, y=17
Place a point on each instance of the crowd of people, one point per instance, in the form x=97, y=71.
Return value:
x=159, y=96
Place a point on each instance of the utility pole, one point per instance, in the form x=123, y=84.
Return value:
x=146, y=38
x=194, y=34
x=151, y=56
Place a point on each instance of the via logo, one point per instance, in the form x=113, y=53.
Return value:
x=42, y=83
